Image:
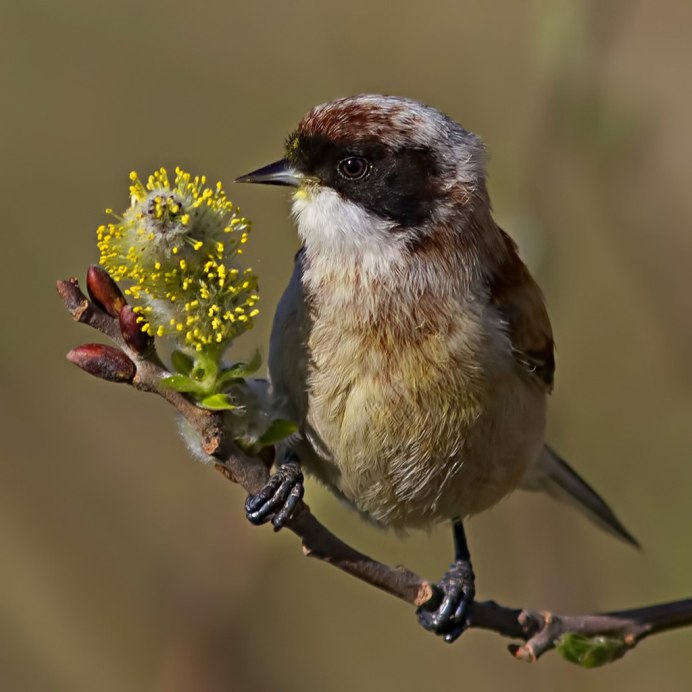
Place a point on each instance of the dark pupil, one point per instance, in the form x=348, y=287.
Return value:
x=353, y=167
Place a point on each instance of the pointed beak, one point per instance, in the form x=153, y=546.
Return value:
x=278, y=173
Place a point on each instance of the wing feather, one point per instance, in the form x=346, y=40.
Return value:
x=520, y=302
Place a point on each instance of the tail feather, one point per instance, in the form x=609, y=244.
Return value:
x=553, y=475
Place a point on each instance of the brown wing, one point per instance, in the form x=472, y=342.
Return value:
x=520, y=301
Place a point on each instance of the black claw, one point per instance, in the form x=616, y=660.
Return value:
x=450, y=618
x=278, y=499
x=254, y=502
x=286, y=512
x=454, y=634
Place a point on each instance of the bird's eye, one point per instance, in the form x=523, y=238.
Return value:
x=353, y=167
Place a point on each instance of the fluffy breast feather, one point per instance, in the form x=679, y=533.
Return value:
x=402, y=372
x=403, y=392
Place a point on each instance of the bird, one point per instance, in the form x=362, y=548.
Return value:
x=412, y=347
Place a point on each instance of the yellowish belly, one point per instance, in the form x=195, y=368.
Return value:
x=412, y=433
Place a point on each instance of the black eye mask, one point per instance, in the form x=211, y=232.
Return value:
x=400, y=185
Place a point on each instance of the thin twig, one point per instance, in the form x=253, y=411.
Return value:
x=539, y=630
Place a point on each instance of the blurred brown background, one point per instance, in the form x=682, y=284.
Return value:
x=127, y=566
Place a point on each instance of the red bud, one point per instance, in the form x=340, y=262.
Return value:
x=103, y=361
x=131, y=329
x=103, y=291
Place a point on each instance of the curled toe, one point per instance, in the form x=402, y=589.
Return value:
x=450, y=618
x=278, y=499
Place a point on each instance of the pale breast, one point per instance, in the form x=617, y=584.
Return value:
x=405, y=411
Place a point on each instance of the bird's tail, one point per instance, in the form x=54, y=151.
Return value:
x=554, y=476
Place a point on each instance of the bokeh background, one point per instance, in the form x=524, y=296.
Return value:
x=127, y=566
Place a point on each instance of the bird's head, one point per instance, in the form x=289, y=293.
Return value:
x=374, y=174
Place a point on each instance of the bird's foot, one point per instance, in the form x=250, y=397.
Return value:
x=279, y=497
x=450, y=618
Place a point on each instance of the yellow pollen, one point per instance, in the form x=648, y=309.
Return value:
x=199, y=298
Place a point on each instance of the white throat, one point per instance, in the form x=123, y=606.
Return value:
x=342, y=238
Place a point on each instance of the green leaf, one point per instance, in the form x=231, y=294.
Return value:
x=590, y=652
x=240, y=370
x=182, y=362
x=217, y=402
x=277, y=431
x=181, y=383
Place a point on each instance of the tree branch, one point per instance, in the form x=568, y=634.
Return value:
x=540, y=631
